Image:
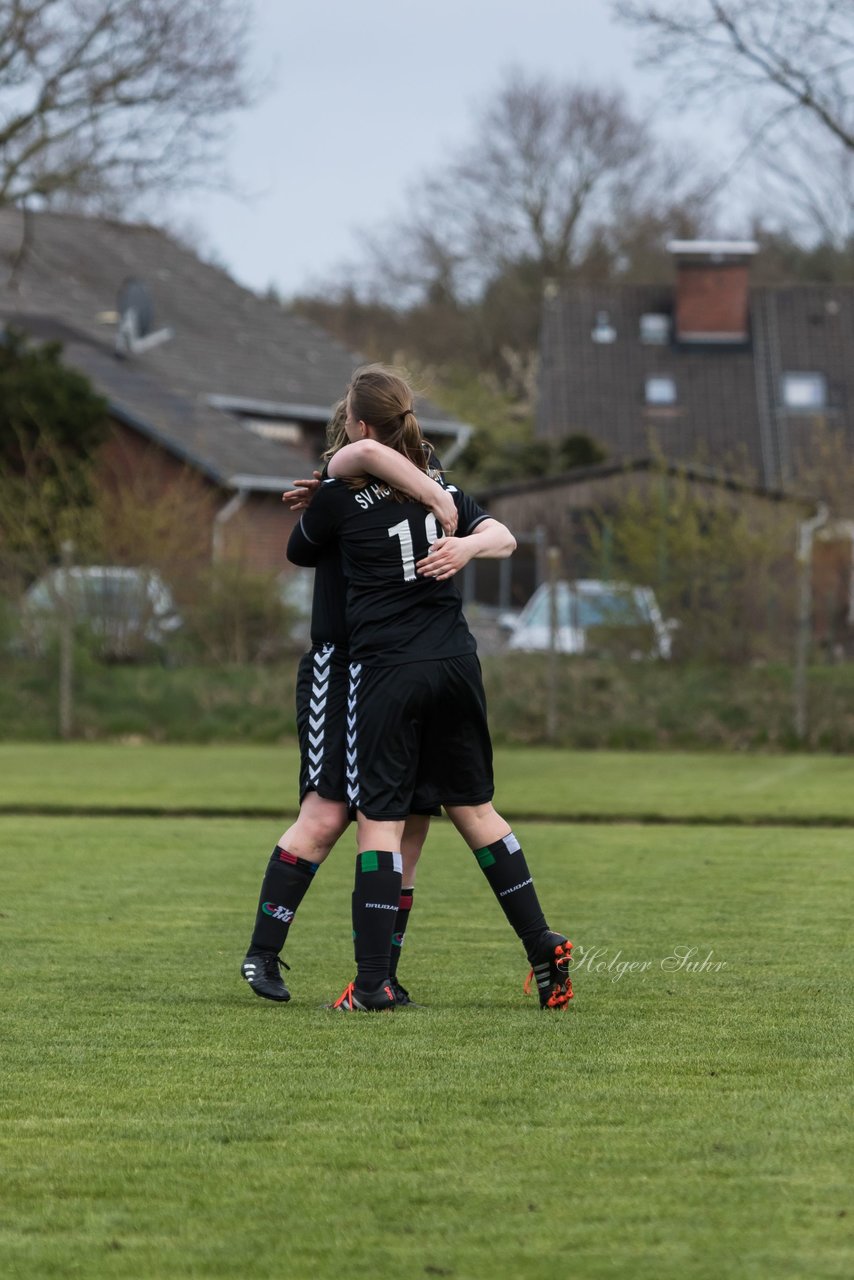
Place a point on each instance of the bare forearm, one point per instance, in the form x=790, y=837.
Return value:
x=369, y=457
x=491, y=540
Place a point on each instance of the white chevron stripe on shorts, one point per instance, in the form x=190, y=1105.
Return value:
x=317, y=710
x=352, y=733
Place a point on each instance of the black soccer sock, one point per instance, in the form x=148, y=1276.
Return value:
x=400, y=923
x=286, y=882
x=376, y=897
x=503, y=863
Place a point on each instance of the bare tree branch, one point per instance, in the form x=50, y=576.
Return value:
x=100, y=97
x=807, y=179
x=788, y=53
x=542, y=175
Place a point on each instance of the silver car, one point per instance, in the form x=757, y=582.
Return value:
x=124, y=609
x=594, y=616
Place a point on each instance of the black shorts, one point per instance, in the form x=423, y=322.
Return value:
x=322, y=721
x=417, y=730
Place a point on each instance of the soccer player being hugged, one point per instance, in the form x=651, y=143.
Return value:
x=416, y=706
x=321, y=703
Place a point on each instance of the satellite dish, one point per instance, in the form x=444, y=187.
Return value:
x=136, y=333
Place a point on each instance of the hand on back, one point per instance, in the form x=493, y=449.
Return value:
x=445, y=558
x=298, y=498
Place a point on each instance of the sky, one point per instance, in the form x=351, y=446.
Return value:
x=361, y=100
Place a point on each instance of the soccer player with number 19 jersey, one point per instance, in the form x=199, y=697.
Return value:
x=416, y=707
x=322, y=687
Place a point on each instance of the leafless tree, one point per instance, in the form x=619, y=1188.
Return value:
x=807, y=185
x=547, y=167
x=788, y=70
x=102, y=99
x=784, y=56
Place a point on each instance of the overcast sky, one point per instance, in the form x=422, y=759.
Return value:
x=363, y=98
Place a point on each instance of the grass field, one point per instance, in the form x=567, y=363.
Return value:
x=160, y=1121
x=532, y=781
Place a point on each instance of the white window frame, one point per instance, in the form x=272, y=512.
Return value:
x=655, y=329
x=660, y=390
x=803, y=392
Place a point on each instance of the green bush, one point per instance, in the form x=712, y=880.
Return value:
x=723, y=568
x=236, y=617
x=599, y=705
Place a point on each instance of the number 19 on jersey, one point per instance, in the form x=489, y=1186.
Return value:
x=403, y=531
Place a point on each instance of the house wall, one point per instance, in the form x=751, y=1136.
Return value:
x=563, y=510
x=256, y=534
x=556, y=506
x=128, y=457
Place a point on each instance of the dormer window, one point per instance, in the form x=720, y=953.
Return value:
x=274, y=429
x=804, y=392
x=655, y=330
x=660, y=390
x=604, y=331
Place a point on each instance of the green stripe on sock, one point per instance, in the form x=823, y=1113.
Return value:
x=370, y=860
x=484, y=857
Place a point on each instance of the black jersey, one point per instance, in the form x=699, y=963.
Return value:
x=328, y=617
x=329, y=592
x=393, y=615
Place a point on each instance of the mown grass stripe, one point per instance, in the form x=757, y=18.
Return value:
x=795, y=821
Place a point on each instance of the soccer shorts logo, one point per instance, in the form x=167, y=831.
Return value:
x=317, y=709
x=352, y=751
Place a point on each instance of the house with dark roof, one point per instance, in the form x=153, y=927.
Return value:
x=707, y=370
x=200, y=374
x=729, y=384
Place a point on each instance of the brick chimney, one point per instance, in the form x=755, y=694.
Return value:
x=711, y=290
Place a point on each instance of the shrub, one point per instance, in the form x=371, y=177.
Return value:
x=237, y=617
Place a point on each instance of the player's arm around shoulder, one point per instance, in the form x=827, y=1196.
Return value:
x=369, y=457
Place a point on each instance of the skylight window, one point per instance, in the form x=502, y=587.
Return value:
x=804, y=392
x=604, y=331
x=655, y=330
x=274, y=429
x=661, y=390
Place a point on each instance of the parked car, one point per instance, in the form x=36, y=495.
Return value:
x=125, y=610
x=296, y=590
x=613, y=618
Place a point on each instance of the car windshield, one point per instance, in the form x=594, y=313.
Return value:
x=127, y=595
x=116, y=596
x=579, y=608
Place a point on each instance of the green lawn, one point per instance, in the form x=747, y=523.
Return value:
x=159, y=1121
x=559, y=784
